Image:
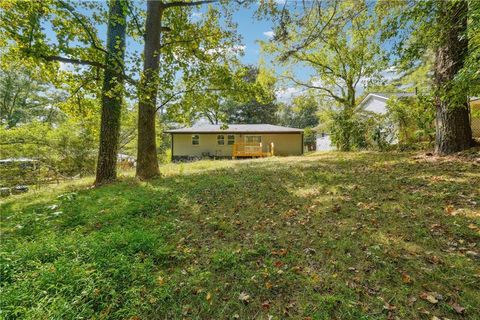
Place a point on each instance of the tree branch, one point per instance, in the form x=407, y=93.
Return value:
x=185, y=91
x=186, y=4
x=311, y=86
x=89, y=63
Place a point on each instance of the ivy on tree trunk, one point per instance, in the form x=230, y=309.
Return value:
x=147, y=164
x=453, y=130
x=112, y=93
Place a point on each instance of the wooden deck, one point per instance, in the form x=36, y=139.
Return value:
x=251, y=150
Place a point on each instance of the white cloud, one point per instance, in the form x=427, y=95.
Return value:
x=196, y=15
x=287, y=94
x=237, y=49
x=269, y=34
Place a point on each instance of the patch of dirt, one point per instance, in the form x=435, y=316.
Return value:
x=471, y=155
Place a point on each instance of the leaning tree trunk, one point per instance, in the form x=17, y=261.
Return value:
x=112, y=94
x=147, y=164
x=453, y=130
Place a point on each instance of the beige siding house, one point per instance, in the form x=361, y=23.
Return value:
x=235, y=140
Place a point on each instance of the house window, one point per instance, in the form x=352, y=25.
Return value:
x=195, y=139
x=220, y=139
x=231, y=139
x=253, y=139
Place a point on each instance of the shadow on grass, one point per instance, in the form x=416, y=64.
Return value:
x=325, y=236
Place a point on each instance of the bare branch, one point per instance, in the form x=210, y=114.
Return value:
x=311, y=86
x=186, y=4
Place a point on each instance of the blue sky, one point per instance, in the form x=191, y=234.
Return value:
x=251, y=29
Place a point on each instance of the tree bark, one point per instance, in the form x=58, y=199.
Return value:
x=112, y=94
x=453, y=130
x=147, y=164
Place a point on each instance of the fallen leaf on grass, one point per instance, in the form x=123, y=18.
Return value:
x=458, y=308
x=244, y=297
x=472, y=254
x=336, y=208
x=389, y=307
x=280, y=252
x=266, y=305
x=209, y=296
x=278, y=264
x=406, y=278
x=449, y=209
x=411, y=301
x=473, y=227
x=434, y=259
x=428, y=297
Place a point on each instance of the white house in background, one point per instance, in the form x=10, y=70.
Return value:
x=374, y=102
x=377, y=101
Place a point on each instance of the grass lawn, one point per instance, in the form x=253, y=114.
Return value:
x=325, y=236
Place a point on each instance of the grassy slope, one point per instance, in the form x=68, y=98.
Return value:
x=346, y=236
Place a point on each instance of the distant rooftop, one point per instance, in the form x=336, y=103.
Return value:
x=236, y=128
x=387, y=95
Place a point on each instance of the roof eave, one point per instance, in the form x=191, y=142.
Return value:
x=240, y=132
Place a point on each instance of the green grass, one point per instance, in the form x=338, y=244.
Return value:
x=325, y=236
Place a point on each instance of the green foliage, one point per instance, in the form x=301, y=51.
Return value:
x=339, y=41
x=301, y=113
x=188, y=244
x=414, y=118
x=417, y=29
x=23, y=95
x=360, y=131
x=238, y=94
x=67, y=149
x=309, y=138
x=346, y=131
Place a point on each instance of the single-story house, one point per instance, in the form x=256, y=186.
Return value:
x=235, y=140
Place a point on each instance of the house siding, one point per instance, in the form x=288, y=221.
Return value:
x=376, y=105
x=286, y=144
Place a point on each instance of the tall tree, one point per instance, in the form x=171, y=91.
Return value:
x=453, y=131
x=75, y=42
x=147, y=163
x=450, y=30
x=339, y=41
x=112, y=93
x=259, y=105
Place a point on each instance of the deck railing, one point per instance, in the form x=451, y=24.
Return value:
x=251, y=150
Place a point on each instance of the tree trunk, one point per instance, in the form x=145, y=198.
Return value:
x=112, y=94
x=453, y=130
x=147, y=164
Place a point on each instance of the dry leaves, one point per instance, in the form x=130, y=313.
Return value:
x=458, y=308
x=431, y=297
x=406, y=278
x=244, y=297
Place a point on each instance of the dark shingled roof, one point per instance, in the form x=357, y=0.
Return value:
x=237, y=128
